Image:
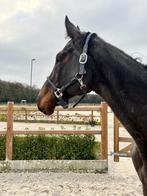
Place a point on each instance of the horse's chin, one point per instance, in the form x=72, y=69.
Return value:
x=49, y=110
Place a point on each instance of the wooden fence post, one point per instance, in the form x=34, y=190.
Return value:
x=57, y=116
x=26, y=115
x=104, y=135
x=116, y=138
x=92, y=119
x=9, y=133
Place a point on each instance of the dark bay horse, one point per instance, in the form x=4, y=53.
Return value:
x=107, y=70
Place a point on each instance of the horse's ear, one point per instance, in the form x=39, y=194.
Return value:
x=78, y=27
x=72, y=31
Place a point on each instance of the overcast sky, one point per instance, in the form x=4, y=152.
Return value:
x=35, y=29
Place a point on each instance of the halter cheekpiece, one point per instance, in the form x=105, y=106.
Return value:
x=58, y=92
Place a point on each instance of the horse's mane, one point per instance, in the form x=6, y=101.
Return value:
x=120, y=54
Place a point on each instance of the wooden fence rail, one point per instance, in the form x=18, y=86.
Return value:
x=9, y=133
x=26, y=113
x=119, y=151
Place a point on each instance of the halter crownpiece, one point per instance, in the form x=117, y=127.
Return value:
x=83, y=57
x=58, y=92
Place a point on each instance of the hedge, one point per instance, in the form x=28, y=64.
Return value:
x=63, y=147
x=2, y=147
x=3, y=117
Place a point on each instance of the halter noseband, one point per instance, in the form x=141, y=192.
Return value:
x=58, y=92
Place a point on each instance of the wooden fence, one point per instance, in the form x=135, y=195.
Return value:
x=30, y=114
x=9, y=133
x=120, y=149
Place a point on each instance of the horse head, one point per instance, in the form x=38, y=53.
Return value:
x=68, y=77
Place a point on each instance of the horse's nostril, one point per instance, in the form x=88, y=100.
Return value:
x=44, y=112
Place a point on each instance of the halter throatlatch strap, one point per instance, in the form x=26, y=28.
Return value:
x=58, y=92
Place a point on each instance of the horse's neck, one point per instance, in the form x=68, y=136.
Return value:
x=123, y=85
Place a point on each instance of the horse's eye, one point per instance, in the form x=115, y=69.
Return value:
x=60, y=57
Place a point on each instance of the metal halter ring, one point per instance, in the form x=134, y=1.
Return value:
x=57, y=93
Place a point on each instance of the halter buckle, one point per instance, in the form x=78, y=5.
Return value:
x=58, y=93
x=83, y=58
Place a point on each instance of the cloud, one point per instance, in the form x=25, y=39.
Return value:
x=35, y=29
